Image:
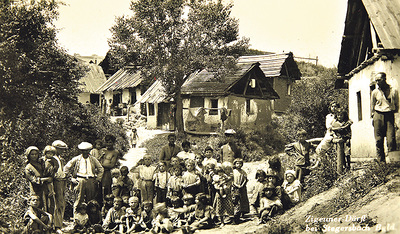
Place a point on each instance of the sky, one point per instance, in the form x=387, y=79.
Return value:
x=308, y=28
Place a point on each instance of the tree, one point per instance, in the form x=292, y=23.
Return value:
x=32, y=65
x=311, y=97
x=170, y=39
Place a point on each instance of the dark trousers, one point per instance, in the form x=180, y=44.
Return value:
x=161, y=194
x=86, y=190
x=383, y=123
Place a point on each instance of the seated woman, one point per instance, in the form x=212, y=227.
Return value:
x=37, y=221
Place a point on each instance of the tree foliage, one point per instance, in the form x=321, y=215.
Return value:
x=170, y=39
x=311, y=97
x=32, y=65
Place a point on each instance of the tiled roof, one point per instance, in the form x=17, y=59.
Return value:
x=93, y=79
x=124, y=78
x=205, y=83
x=154, y=94
x=273, y=64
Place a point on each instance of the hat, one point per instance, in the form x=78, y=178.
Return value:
x=59, y=144
x=290, y=172
x=85, y=146
x=230, y=132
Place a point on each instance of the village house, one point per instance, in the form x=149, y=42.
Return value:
x=122, y=90
x=241, y=99
x=247, y=98
x=281, y=71
x=370, y=44
x=92, y=80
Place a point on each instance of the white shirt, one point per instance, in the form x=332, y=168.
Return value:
x=85, y=167
x=185, y=155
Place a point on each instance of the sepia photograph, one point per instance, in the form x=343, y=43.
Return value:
x=199, y=116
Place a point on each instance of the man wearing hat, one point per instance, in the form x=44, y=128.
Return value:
x=59, y=183
x=230, y=151
x=86, y=172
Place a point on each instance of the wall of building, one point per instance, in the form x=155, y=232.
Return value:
x=281, y=85
x=84, y=98
x=363, y=141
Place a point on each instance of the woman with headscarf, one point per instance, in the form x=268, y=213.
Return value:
x=34, y=174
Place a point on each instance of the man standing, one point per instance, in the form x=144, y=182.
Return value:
x=86, y=172
x=170, y=150
x=109, y=157
x=59, y=183
x=384, y=103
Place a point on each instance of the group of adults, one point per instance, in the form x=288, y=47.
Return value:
x=90, y=172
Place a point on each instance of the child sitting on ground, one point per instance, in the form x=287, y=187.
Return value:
x=201, y=215
x=270, y=204
x=132, y=216
x=292, y=187
x=113, y=221
x=176, y=217
x=36, y=220
x=124, y=184
x=258, y=189
x=161, y=222
x=160, y=182
x=81, y=219
x=147, y=216
x=107, y=204
x=95, y=218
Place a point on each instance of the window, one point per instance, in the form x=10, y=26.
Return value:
x=249, y=110
x=359, y=105
x=151, y=109
x=196, y=102
x=214, y=106
x=289, y=89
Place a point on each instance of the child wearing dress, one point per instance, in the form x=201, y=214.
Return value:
x=160, y=182
x=239, y=190
x=145, y=178
x=220, y=180
x=50, y=169
x=223, y=204
x=292, y=187
x=191, y=180
x=270, y=204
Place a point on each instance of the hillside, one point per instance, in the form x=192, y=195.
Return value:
x=333, y=211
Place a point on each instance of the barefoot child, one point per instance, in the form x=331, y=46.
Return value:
x=269, y=203
x=36, y=220
x=160, y=182
x=239, y=189
x=145, y=178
